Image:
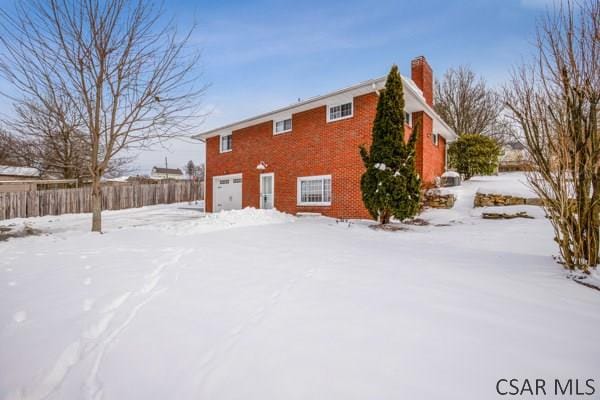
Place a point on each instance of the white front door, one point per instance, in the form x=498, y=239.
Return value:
x=267, y=192
x=227, y=192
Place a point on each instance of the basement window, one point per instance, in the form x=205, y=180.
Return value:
x=226, y=143
x=314, y=190
x=339, y=111
x=283, y=126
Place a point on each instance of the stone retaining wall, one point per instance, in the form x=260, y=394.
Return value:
x=496, y=199
x=435, y=199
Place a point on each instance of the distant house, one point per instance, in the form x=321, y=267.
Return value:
x=166, y=173
x=514, y=157
x=128, y=180
x=18, y=179
x=9, y=173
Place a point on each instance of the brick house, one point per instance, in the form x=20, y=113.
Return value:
x=305, y=157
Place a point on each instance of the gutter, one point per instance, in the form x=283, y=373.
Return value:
x=204, y=177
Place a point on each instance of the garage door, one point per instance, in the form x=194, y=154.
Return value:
x=227, y=192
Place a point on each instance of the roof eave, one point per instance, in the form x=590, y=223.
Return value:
x=291, y=107
x=450, y=135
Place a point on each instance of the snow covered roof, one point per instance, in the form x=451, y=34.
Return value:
x=116, y=179
x=414, y=101
x=172, y=171
x=7, y=170
x=450, y=174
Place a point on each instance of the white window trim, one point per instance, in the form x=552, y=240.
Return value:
x=299, y=201
x=409, y=122
x=435, y=139
x=329, y=106
x=221, y=143
x=275, y=121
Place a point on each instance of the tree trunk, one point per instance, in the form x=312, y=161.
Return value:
x=96, y=205
x=595, y=231
x=384, y=217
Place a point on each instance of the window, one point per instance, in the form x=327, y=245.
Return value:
x=314, y=191
x=224, y=182
x=435, y=138
x=237, y=180
x=407, y=118
x=285, y=125
x=339, y=111
x=226, y=143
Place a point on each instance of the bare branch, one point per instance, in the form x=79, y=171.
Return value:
x=126, y=78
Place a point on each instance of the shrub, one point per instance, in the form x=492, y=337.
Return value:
x=474, y=155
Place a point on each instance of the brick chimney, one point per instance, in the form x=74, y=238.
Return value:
x=422, y=75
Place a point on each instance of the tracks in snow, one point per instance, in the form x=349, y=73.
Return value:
x=210, y=362
x=96, y=339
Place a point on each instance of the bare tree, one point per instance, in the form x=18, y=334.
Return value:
x=555, y=101
x=466, y=104
x=7, y=153
x=131, y=78
x=57, y=147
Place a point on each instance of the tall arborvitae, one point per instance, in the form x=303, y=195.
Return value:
x=390, y=185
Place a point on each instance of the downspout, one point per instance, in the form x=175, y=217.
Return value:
x=204, y=177
x=445, y=155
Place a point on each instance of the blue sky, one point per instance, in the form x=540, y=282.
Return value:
x=260, y=55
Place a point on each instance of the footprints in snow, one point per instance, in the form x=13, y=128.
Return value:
x=208, y=363
x=97, y=337
x=88, y=304
x=97, y=329
x=20, y=316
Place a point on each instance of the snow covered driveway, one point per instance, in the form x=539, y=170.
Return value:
x=255, y=305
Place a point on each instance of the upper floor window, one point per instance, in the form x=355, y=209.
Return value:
x=285, y=125
x=339, y=111
x=435, y=138
x=407, y=118
x=226, y=143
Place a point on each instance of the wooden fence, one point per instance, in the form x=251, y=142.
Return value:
x=114, y=197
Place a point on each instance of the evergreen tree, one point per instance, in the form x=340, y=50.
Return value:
x=190, y=168
x=390, y=185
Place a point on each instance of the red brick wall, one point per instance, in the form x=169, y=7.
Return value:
x=314, y=147
x=431, y=159
x=422, y=74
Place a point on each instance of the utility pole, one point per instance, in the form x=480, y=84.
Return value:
x=166, y=167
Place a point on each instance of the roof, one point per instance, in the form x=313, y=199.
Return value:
x=414, y=101
x=7, y=170
x=516, y=145
x=172, y=171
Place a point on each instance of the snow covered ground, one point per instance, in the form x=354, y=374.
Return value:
x=513, y=184
x=172, y=304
